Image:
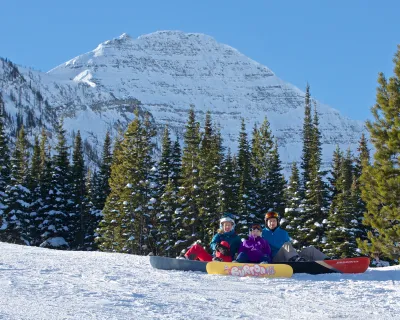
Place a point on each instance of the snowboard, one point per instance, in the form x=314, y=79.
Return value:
x=165, y=263
x=347, y=265
x=250, y=269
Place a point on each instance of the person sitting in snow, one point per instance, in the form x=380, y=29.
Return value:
x=225, y=244
x=281, y=246
x=255, y=249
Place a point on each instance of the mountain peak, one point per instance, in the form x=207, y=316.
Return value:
x=169, y=70
x=184, y=40
x=123, y=39
x=177, y=34
x=124, y=36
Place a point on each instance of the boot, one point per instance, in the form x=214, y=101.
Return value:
x=297, y=259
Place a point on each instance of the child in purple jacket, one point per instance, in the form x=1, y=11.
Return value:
x=255, y=249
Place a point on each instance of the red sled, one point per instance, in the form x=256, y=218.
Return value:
x=347, y=265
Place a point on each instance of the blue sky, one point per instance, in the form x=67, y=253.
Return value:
x=337, y=46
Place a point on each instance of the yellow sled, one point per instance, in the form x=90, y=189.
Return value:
x=250, y=269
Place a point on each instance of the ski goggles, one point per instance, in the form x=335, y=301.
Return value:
x=256, y=227
x=271, y=214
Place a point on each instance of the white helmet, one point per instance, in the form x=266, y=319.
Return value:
x=226, y=219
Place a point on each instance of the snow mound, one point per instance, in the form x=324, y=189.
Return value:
x=56, y=242
x=39, y=283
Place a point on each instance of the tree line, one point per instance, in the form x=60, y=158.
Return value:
x=139, y=204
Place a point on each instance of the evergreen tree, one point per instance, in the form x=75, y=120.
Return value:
x=165, y=163
x=60, y=204
x=293, y=211
x=276, y=182
x=110, y=230
x=258, y=168
x=93, y=181
x=93, y=214
x=161, y=218
x=35, y=165
x=363, y=159
x=35, y=194
x=261, y=161
x=98, y=188
x=79, y=214
x=186, y=217
x=315, y=197
x=169, y=171
x=307, y=141
x=126, y=215
x=358, y=210
x=335, y=172
x=101, y=186
x=316, y=142
x=152, y=197
x=19, y=121
x=380, y=181
x=4, y=166
x=363, y=156
x=245, y=208
x=43, y=204
x=18, y=218
x=342, y=226
x=334, y=188
x=229, y=184
x=176, y=165
x=210, y=176
x=166, y=232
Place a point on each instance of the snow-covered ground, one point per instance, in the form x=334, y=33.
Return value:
x=38, y=283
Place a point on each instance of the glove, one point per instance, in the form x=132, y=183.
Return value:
x=217, y=259
x=265, y=260
x=224, y=250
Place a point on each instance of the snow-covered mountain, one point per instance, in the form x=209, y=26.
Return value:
x=168, y=71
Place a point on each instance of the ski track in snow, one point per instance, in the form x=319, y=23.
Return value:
x=40, y=283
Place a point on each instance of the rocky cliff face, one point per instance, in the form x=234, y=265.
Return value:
x=168, y=71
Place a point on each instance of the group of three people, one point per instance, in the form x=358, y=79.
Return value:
x=270, y=244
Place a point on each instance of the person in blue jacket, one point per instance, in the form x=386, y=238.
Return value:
x=281, y=247
x=226, y=233
x=225, y=244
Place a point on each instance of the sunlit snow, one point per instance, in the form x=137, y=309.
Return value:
x=41, y=283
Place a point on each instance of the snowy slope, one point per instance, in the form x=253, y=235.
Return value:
x=48, y=284
x=170, y=70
